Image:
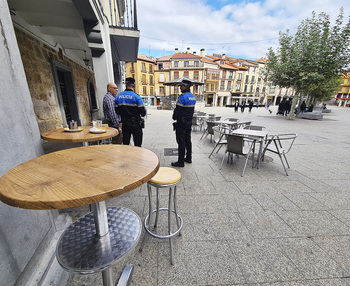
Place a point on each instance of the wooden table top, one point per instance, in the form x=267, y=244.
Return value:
x=77, y=176
x=60, y=135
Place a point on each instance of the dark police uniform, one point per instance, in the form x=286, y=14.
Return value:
x=129, y=106
x=183, y=114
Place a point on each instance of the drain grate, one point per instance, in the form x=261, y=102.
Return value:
x=170, y=152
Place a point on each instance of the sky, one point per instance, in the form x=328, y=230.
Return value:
x=241, y=29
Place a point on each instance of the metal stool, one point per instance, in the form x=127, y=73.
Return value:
x=165, y=177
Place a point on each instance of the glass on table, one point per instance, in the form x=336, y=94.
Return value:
x=99, y=124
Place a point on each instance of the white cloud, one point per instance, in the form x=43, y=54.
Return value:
x=239, y=28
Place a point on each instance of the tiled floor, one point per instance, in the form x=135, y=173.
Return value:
x=261, y=229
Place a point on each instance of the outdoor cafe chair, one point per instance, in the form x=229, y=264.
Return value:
x=255, y=127
x=280, y=144
x=238, y=145
x=195, y=123
x=232, y=119
x=220, y=138
x=209, y=130
x=258, y=128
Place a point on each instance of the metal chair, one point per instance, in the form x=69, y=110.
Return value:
x=280, y=144
x=238, y=145
x=254, y=127
x=209, y=130
x=232, y=119
x=220, y=134
x=195, y=123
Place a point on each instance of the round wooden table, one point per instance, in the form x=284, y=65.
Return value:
x=81, y=176
x=84, y=136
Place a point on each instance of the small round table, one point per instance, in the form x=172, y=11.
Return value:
x=84, y=136
x=81, y=176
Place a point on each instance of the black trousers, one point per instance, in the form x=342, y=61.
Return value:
x=132, y=129
x=183, y=139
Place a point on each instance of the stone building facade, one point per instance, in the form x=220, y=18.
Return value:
x=37, y=61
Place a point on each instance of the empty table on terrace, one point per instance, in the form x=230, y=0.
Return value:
x=233, y=124
x=256, y=135
x=83, y=134
x=81, y=176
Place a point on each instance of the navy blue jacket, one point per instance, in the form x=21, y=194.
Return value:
x=184, y=108
x=129, y=106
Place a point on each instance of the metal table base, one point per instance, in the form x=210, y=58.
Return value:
x=91, y=245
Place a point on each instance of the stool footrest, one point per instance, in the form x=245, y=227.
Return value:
x=146, y=223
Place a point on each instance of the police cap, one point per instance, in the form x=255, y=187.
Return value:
x=185, y=82
x=129, y=80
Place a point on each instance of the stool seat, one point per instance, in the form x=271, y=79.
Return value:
x=166, y=176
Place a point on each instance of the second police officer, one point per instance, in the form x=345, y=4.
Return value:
x=183, y=114
x=129, y=106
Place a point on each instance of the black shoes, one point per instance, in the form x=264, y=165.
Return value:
x=177, y=164
x=181, y=164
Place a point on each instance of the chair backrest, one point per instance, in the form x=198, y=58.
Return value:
x=232, y=119
x=217, y=118
x=236, y=144
x=218, y=132
x=285, y=141
x=210, y=125
x=254, y=127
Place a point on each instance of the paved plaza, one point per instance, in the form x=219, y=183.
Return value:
x=265, y=228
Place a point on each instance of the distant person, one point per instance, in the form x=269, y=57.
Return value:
x=129, y=106
x=242, y=106
x=303, y=107
x=183, y=114
x=281, y=107
x=111, y=117
x=250, y=106
x=287, y=107
x=268, y=106
x=236, y=105
x=310, y=108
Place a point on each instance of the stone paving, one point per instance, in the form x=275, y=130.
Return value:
x=265, y=228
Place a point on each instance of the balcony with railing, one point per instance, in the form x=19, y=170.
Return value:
x=122, y=19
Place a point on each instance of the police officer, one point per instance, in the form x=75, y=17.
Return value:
x=183, y=114
x=129, y=106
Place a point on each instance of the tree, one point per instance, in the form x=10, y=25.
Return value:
x=311, y=60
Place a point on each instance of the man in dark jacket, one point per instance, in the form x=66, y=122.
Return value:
x=129, y=106
x=183, y=114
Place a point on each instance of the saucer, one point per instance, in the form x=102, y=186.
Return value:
x=73, y=130
x=97, y=130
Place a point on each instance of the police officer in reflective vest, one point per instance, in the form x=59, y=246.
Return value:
x=129, y=106
x=183, y=114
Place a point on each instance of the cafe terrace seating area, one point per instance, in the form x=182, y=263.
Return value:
x=265, y=228
x=241, y=138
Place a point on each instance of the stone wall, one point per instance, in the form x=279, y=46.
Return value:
x=36, y=61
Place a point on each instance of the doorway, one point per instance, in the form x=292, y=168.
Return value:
x=92, y=100
x=67, y=98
